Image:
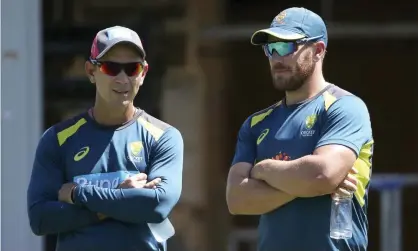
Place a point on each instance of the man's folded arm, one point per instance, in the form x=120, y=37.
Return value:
x=141, y=204
x=245, y=195
x=311, y=175
x=47, y=215
x=346, y=129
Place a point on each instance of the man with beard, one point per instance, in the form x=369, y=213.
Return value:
x=294, y=156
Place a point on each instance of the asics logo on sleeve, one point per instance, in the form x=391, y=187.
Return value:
x=82, y=153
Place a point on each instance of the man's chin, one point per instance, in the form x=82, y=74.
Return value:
x=281, y=86
x=286, y=87
x=127, y=102
x=120, y=102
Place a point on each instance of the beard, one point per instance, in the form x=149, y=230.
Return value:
x=296, y=77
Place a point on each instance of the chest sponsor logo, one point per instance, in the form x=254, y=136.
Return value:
x=282, y=156
x=103, y=180
x=135, y=150
x=279, y=156
x=262, y=136
x=309, y=123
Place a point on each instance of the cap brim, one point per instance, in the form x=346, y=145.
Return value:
x=262, y=36
x=119, y=41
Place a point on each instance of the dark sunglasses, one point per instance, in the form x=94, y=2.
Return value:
x=113, y=69
x=286, y=48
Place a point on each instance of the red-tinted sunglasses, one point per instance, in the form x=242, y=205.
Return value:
x=113, y=69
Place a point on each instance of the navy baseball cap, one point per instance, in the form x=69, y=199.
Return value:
x=293, y=24
x=109, y=37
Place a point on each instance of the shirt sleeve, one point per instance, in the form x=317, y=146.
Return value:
x=138, y=205
x=347, y=123
x=245, y=150
x=47, y=215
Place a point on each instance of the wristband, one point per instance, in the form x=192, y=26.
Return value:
x=72, y=194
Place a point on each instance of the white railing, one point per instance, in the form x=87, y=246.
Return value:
x=389, y=186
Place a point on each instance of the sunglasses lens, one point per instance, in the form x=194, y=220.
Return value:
x=113, y=69
x=133, y=69
x=110, y=68
x=281, y=48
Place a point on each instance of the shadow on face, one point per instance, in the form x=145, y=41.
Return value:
x=120, y=89
x=290, y=72
x=290, y=60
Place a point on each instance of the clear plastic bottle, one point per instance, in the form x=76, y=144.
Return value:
x=341, y=222
x=162, y=231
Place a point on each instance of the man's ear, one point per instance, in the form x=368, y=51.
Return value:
x=319, y=51
x=144, y=72
x=146, y=68
x=90, y=68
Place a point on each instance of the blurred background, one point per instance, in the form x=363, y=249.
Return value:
x=205, y=78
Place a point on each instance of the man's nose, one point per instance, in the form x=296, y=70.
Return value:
x=276, y=57
x=122, y=78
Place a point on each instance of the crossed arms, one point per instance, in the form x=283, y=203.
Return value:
x=270, y=184
x=274, y=183
x=48, y=215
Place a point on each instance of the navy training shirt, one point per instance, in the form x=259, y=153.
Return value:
x=99, y=158
x=281, y=132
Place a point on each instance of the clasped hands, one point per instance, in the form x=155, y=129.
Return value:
x=135, y=181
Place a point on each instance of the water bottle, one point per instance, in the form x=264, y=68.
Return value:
x=162, y=231
x=341, y=222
